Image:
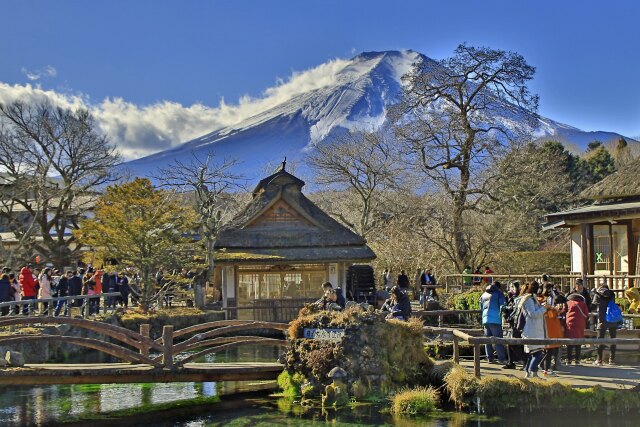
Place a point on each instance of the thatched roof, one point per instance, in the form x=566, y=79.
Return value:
x=624, y=183
x=303, y=233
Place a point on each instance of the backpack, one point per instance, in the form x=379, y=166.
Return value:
x=613, y=315
x=517, y=317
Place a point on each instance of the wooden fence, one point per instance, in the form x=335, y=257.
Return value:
x=478, y=341
x=28, y=306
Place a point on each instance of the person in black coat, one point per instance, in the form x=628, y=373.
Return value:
x=5, y=293
x=63, y=291
x=398, y=306
x=75, y=287
x=403, y=281
x=601, y=298
x=125, y=290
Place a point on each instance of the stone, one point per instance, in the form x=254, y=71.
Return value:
x=337, y=372
x=14, y=358
x=3, y=363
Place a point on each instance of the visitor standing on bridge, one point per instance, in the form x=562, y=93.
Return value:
x=5, y=293
x=17, y=291
x=28, y=286
x=553, y=327
x=603, y=296
x=44, y=292
x=75, y=287
x=63, y=291
x=487, y=279
x=491, y=303
x=477, y=279
x=534, y=327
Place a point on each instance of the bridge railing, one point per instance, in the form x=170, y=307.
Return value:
x=48, y=306
x=478, y=341
x=129, y=345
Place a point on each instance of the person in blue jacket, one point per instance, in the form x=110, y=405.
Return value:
x=491, y=303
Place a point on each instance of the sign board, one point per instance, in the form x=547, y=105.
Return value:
x=323, y=334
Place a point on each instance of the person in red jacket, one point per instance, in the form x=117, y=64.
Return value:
x=28, y=286
x=577, y=316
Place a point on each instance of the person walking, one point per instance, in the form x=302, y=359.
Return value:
x=125, y=290
x=534, y=327
x=577, y=316
x=601, y=299
x=491, y=303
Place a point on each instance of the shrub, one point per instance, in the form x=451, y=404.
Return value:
x=290, y=384
x=466, y=301
x=415, y=401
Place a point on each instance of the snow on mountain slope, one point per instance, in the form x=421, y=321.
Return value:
x=355, y=96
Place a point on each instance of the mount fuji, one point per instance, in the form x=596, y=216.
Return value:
x=355, y=97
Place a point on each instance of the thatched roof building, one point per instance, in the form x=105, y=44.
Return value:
x=284, y=246
x=605, y=235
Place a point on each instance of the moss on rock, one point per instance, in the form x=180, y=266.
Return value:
x=378, y=355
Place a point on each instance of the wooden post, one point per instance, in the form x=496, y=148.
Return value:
x=456, y=349
x=167, y=344
x=85, y=308
x=145, y=329
x=440, y=320
x=476, y=360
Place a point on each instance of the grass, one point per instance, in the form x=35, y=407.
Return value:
x=499, y=395
x=416, y=401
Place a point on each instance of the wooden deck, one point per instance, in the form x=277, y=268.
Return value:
x=108, y=373
x=581, y=376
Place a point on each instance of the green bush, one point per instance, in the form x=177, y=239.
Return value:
x=415, y=401
x=291, y=385
x=469, y=300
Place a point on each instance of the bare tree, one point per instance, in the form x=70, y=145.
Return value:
x=53, y=161
x=211, y=183
x=365, y=165
x=456, y=118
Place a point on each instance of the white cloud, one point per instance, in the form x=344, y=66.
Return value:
x=142, y=130
x=48, y=71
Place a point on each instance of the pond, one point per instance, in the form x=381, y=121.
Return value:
x=228, y=404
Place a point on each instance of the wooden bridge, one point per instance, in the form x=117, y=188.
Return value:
x=166, y=359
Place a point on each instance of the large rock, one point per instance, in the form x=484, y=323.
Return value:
x=3, y=363
x=14, y=358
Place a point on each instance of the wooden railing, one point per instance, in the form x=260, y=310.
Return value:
x=616, y=282
x=30, y=305
x=135, y=347
x=477, y=341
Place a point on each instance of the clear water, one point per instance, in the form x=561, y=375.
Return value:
x=75, y=404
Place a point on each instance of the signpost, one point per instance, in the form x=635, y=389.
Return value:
x=323, y=334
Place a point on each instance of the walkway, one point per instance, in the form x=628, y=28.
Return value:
x=108, y=373
x=580, y=376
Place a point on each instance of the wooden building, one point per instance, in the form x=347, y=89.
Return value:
x=275, y=255
x=605, y=235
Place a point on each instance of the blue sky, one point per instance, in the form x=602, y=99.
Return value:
x=190, y=52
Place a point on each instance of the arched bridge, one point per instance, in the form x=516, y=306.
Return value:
x=169, y=358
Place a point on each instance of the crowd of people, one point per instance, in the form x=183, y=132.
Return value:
x=540, y=310
x=44, y=284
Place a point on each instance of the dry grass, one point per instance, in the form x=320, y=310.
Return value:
x=415, y=401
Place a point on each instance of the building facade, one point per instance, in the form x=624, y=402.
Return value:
x=605, y=235
x=276, y=254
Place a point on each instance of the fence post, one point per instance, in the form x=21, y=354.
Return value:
x=456, y=349
x=440, y=320
x=476, y=359
x=167, y=346
x=145, y=329
x=85, y=308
